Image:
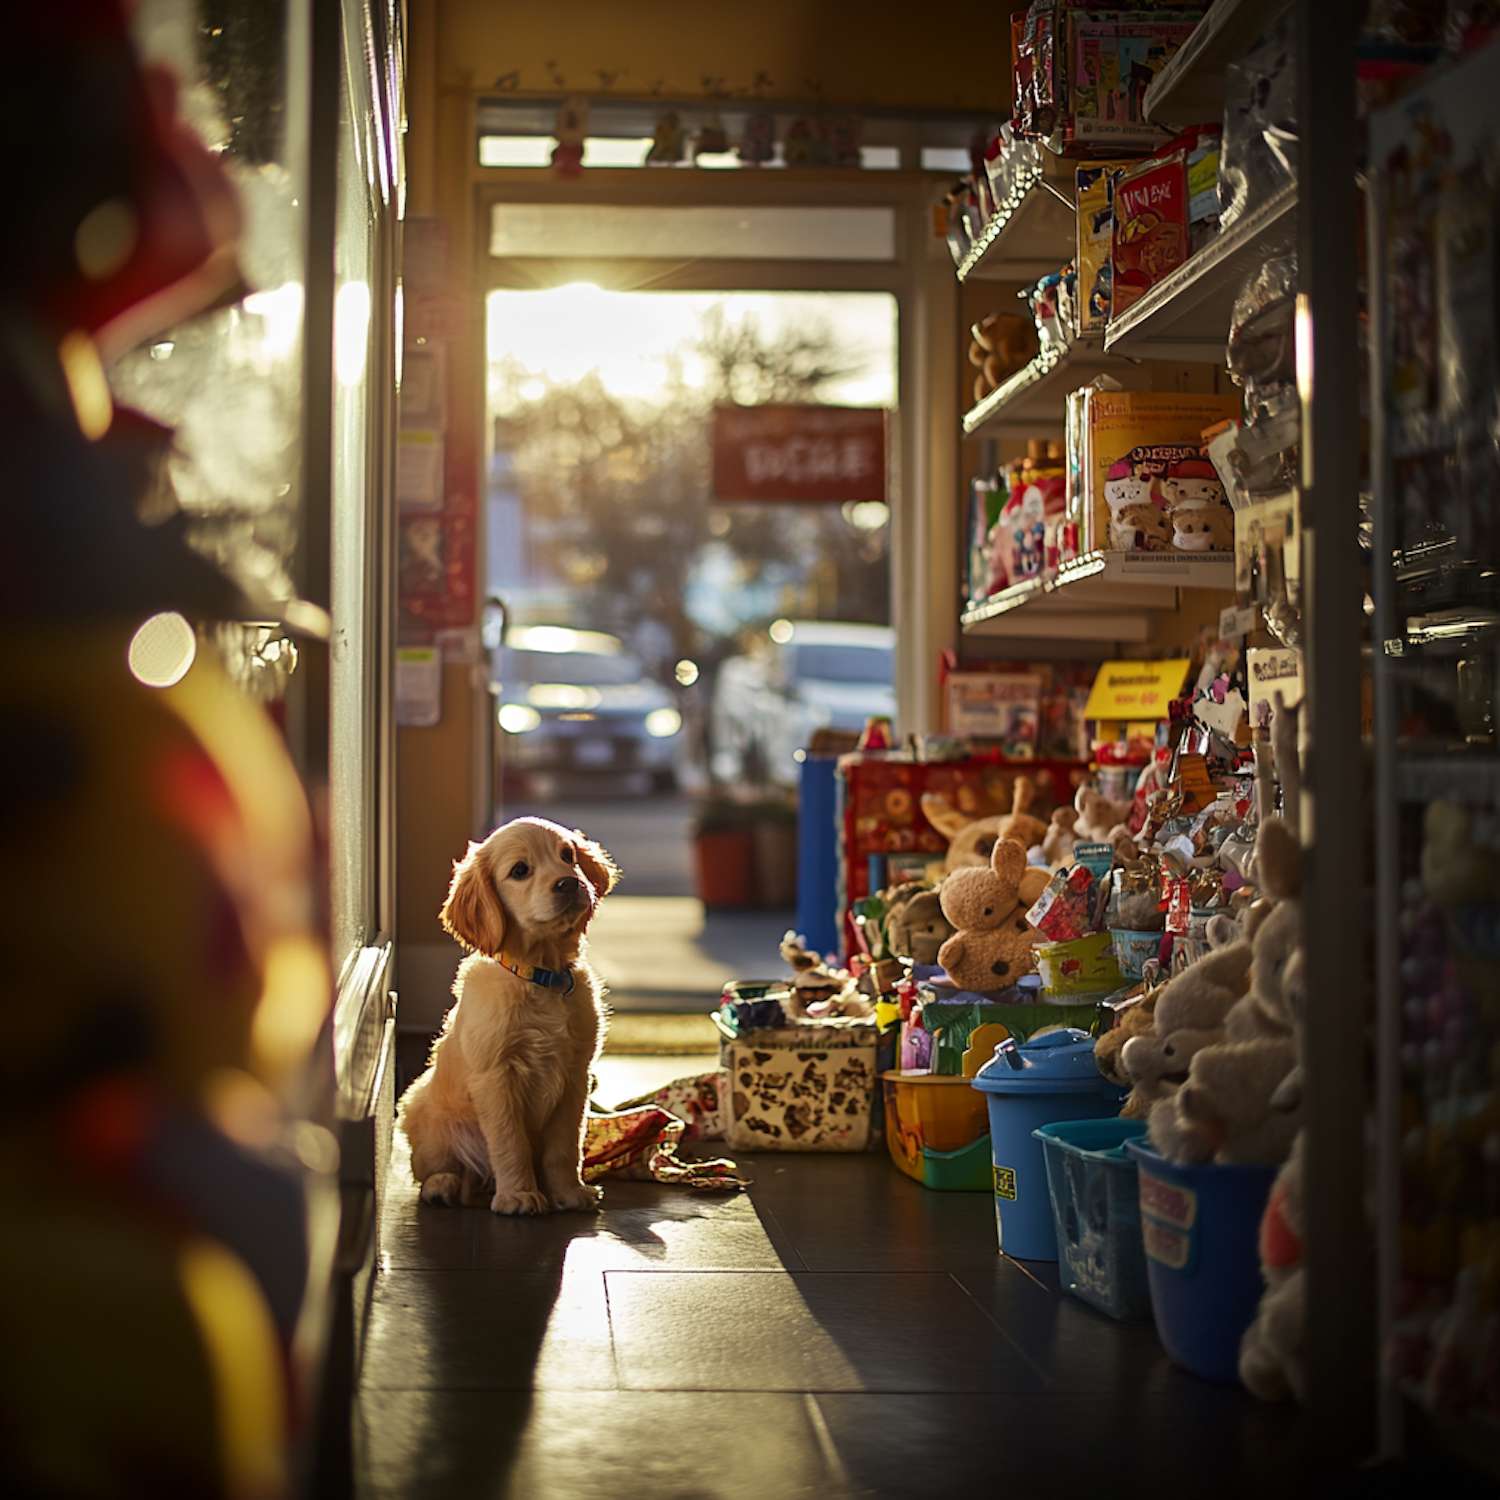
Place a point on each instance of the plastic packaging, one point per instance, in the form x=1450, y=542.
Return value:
x=1262, y=340
x=1259, y=156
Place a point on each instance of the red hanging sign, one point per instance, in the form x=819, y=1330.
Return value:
x=799, y=453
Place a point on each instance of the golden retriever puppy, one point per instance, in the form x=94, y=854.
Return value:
x=500, y=1108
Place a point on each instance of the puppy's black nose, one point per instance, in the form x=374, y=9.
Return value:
x=567, y=885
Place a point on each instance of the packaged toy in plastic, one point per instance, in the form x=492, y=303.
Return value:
x=1259, y=156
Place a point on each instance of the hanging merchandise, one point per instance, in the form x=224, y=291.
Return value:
x=669, y=143
x=1261, y=354
x=1002, y=343
x=758, y=144
x=570, y=127
x=1260, y=125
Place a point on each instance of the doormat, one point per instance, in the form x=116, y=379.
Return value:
x=666, y=1035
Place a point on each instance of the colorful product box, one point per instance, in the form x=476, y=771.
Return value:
x=1149, y=227
x=1150, y=488
x=1095, y=236
x=1111, y=60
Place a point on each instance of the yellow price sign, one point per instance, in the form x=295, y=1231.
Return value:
x=1136, y=689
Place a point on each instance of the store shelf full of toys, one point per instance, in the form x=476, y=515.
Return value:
x=1095, y=512
x=1433, y=241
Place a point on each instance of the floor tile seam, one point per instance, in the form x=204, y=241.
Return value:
x=776, y=1271
x=977, y=1391
x=609, y=1323
x=790, y=1243
x=495, y=1388
x=1047, y=1381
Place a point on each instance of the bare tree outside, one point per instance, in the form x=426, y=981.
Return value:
x=618, y=518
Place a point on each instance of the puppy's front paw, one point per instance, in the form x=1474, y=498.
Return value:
x=577, y=1197
x=444, y=1188
x=518, y=1203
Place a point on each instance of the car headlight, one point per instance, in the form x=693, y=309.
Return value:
x=662, y=722
x=518, y=718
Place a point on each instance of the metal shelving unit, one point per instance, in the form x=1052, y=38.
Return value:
x=1189, y=90
x=1029, y=235
x=1104, y=596
x=1030, y=399
x=1186, y=316
x=1435, y=621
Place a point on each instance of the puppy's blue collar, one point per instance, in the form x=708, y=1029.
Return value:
x=549, y=979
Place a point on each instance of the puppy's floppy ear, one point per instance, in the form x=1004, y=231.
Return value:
x=472, y=912
x=598, y=868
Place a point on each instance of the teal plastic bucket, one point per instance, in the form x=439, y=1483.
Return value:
x=1051, y=1078
x=1096, y=1212
x=1201, y=1229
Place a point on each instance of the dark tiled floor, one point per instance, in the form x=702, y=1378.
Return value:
x=838, y=1331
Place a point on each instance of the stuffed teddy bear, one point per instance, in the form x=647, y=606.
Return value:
x=1237, y=1103
x=1058, y=841
x=1098, y=817
x=1224, y=1111
x=1140, y=528
x=970, y=840
x=1019, y=825
x=1201, y=528
x=992, y=943
x=1274, y=925
x=915, y=926
x=1455, y=870
x=1189, y=1016
x=1137, y=1020
x=817, y=990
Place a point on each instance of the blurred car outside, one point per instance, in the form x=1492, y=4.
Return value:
x=575, y=702
x=805, y=675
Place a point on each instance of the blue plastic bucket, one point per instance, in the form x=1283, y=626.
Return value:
x=1096, y=1210
x=1201, y=1230
x=1051, y=1078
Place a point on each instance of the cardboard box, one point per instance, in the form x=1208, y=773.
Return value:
x=1133, y=443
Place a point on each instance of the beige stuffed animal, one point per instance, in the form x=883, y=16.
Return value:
x=1098, y=818
x=1190, y=1012
x=916, y=927
x=1058, y=842
x=1275, y=928
x=992, y=945
x=1138, y=1020
x=970, y=840
x=1224, y=1111
x=1236, y=1104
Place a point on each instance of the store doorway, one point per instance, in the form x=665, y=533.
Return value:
x=648, y=621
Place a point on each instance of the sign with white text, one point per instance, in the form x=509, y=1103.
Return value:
x=799, y=453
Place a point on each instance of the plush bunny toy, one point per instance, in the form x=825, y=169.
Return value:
x=991, y=947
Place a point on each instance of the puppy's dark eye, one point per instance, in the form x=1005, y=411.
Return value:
x=567, y=855
x=520, y=870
